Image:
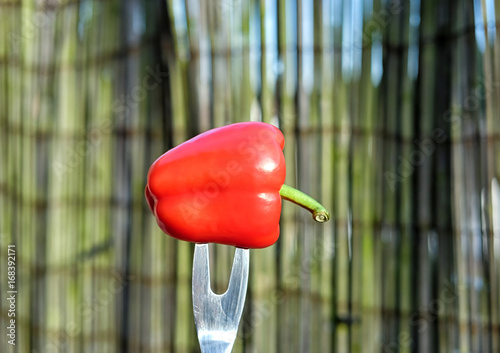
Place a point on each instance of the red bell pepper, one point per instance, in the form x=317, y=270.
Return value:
x=225, y=186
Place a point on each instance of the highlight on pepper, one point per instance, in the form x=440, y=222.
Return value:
x=225, y=186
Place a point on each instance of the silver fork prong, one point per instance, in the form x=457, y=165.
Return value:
x=216, y=316
x=201, y=271
x=233, y=299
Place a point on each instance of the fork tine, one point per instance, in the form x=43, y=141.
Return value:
x=201, y=271
x=234, y=297
x=216, y=316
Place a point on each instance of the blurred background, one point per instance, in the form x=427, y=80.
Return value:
x=390, y=111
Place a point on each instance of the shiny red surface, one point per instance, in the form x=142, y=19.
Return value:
x=221, y=186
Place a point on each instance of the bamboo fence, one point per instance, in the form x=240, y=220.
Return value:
x=391, y=115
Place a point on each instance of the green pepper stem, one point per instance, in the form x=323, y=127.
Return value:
x=319, y=212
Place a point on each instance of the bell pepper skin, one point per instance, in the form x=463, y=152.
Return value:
x=222, y=186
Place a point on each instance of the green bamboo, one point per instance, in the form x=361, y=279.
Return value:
x=408, y=264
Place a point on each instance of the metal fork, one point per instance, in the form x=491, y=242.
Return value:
x=217, y=316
